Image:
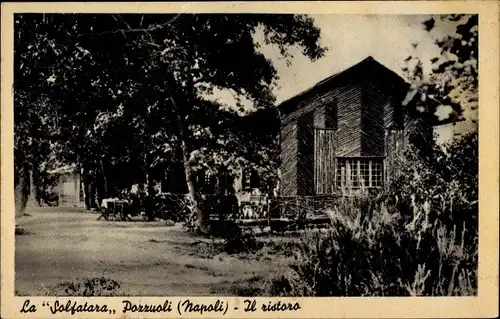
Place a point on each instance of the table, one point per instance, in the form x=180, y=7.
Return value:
x=114, y=206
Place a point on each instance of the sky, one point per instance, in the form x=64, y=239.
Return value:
x=350, y=39
x=389, y=39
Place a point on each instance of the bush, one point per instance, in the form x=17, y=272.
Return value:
x=18, y=230
x=87, y=287
x=419, y=239
x=169, y=207
x=237, y=240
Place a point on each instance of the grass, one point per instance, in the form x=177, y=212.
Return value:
x=86, y=287
x=372, y=253
x=418, y=238
x=104, y=287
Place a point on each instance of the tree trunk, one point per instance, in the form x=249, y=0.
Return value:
x=87, y=190
x=105, y=180
x=35, y=187
x=86, y=187
x=202, y=219
x=88, y=196
x=150, y=207
x=22, y=190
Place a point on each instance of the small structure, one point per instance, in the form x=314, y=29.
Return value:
x=69, y=186
x=348, y=131
x=342, y=132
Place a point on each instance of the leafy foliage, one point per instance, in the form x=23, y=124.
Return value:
x=238, y=240
x=118, y=93
x=421, y=240
x=87, y=287
x=448, y=93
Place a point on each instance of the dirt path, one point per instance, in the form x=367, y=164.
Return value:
x=144, y=258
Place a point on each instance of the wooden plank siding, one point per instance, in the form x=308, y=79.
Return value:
x=305, y=154
x=288, y=169
x=349, y=121
x=331, y=115
x=320, y=117
x=324, y=160
x=325, y=144
x=355, y=114
x=373, y=127
x=317, y=102
x=395, y=145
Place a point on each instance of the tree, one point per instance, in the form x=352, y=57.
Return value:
x=58, y=95
x=196, y=53
x=150, y=75
x=448, y=93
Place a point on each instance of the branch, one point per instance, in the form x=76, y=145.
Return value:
x=200, y=80
x=133, y=30
x=54, y=137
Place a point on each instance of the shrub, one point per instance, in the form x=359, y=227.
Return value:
x=253, y=286
x=419, y=239
x=169, y=207
x=237, y=240
x=87, y=287
x=18, y=230
x=381, y=257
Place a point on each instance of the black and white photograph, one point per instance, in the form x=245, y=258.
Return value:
x=246, y=154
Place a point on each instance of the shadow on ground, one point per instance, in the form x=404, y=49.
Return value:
x=61, y=251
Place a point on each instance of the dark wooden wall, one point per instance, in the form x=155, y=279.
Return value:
x=324, y=154
x=351, y=119
x=288, y=157
x=305, y=154
x=373, y=126
x=395, y=144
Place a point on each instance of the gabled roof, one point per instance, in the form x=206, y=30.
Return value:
x=369, y=67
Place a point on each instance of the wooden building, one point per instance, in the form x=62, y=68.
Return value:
x=348, y=131
x=69, y=186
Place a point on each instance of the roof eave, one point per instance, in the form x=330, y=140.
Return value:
x=331, y=80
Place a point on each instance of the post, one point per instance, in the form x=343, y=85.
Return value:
x=77, y=188
x=32, y=199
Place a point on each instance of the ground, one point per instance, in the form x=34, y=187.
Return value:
x=144, y=258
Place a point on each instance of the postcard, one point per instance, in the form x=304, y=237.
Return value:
x=250, y=159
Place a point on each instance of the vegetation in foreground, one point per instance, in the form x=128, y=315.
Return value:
x=421, y=239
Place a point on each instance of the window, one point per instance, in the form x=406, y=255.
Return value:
x=359, y=172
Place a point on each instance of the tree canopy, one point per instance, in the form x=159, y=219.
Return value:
x=449, y=93
x=130, y=91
